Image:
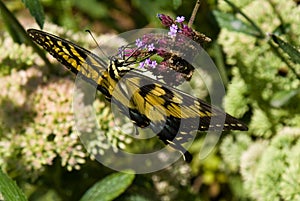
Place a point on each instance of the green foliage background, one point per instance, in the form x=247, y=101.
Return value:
x=40, y=148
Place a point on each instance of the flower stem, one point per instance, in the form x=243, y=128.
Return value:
x=191, y=21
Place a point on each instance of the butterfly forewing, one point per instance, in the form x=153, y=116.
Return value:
x=74, y=57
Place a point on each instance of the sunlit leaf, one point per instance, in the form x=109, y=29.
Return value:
x=36, y=10
x=150, y=8
x=136, y=198
x=109, y=188
x=283, y=97
x=9, y=189
x=232, y=23
x=176, y=4
x=282, y=29
x=92, y=8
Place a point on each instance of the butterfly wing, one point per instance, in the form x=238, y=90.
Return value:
x=178, y=104
x=74, y=57
x=172, y=114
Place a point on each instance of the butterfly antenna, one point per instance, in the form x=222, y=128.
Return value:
x=134, y=51
x=97, y=43
x=131, y=54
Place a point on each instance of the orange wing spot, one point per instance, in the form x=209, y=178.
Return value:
x=201, y=114
x=66, y=57
x=208, y=113
x=158, y=91
x=157, y=114
x=57, y=49
x=59, y=43
x=66, y=50
x=141, y=104
x=73, y=63
x=76, y=53
x=99, y=80
x=154, y=100
x=61, y=53
x=177, y=98
x=188, y=112
x=175, y=110
x=50, y=42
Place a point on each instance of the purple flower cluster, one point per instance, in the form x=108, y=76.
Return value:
x=152, y=52
x=177, y=26
x=142, y=45
x=148, y=63
x=163, y=54
x=139, y=43
x=173, y=30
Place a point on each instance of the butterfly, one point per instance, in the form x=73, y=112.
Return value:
x=171, y=113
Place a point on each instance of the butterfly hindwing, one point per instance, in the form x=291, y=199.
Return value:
x=149, y=93
x=169, y=112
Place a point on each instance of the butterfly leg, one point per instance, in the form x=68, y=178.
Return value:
x=187, y=156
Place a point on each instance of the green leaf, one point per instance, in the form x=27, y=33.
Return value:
x=136, y=198
x=232, y=23
x=93, y=8
x=14, y=28
x=36, y=10
x=176, y=4
x=109, y=188
x=282, y=29
x=287, y=48
x=283, y=97
x=150, y=8
x=9, y=189
x=156, y=58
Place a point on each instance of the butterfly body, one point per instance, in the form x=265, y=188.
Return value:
x=169, y=112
